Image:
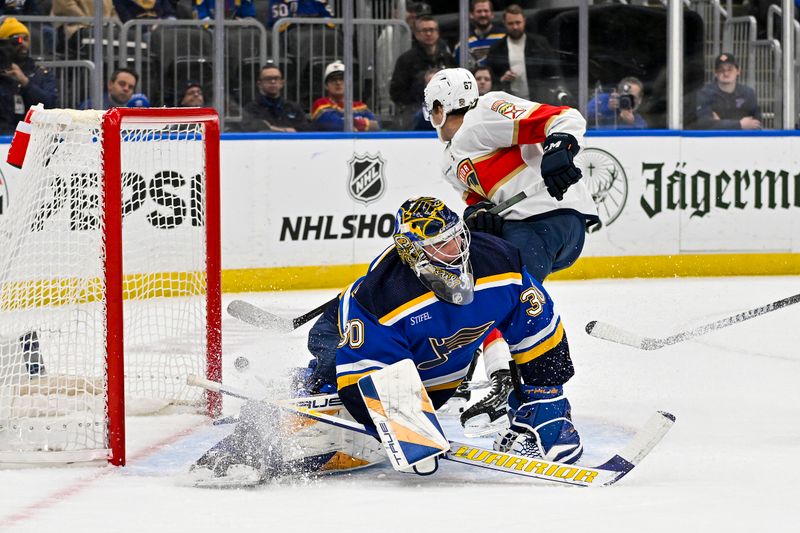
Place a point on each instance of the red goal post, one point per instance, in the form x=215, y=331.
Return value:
x=110, y=291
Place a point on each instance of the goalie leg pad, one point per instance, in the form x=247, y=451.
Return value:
x=404, y=416
x=269, y=442
x=541, y=426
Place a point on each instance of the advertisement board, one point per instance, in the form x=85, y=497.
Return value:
x=312, y=210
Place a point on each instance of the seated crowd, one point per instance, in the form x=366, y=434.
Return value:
x=502, y=56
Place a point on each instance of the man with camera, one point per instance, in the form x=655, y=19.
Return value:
x=619, y=108
x=22, y=83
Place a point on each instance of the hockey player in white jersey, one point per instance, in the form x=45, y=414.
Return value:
x=496, y=146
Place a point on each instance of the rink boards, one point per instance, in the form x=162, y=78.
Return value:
x=311, y=210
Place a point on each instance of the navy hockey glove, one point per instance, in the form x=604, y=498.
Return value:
x=541, y=425
x=558, y=171
x=478, y=218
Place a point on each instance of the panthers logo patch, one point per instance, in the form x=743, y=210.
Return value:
x=508, y=110
x=469, y=176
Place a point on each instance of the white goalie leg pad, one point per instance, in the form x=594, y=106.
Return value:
x=343, y=450
x=404, y=416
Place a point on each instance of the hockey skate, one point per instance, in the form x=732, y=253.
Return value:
x=541, y=426
x=489, y=414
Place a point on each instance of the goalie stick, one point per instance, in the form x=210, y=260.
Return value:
x=605, y=474
x=609, y=332
x=255, y=316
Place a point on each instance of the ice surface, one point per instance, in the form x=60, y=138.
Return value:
x=729, y=464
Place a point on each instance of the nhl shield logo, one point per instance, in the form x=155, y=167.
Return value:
x=367, y=182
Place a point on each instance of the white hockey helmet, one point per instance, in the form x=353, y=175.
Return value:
x=453, y=88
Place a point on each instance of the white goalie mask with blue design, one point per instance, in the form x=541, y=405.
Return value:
x=433, y=241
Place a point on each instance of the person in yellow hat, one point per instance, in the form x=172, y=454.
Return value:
x=22, y=82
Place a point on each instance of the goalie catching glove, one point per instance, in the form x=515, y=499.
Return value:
x=478, y=218
x=558, y=170
x=541, y=426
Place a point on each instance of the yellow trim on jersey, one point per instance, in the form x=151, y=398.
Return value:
x=526, y=114
x=542, y=348
x=445, y=386
x=550, y=121
x=483, y=157
x=351, y=379
x=506, y=276
x=398, y=312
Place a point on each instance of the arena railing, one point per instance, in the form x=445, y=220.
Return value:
x=74, y=80
x=169, y=53
x=307, y=45
x=49, y=42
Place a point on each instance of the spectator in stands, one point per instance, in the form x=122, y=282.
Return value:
x=483, y=32
x=483, y=75
x=22, y=82
x=413, y=11
x=726, y=104
x=119, y=90
x=192, y=95
x=19, y=7
x=521, y=61
x=240, y=9
x=270, y=112
x=390, y=45
x=408, y=79
x=279, y=9
x=619, y=108
x=327, y=113
x=68, y=34
x=420, y=121
x=144, y=9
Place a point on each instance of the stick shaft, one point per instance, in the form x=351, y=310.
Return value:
x=731, y=320
x=612, y=333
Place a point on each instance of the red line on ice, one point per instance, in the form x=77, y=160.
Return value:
x=67, y=492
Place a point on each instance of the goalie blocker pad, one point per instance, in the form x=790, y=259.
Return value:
x=404, y=417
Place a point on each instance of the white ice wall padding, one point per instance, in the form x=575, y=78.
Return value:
x=52, y=280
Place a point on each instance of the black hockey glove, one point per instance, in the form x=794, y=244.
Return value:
x=478, y=218
x=558, y=171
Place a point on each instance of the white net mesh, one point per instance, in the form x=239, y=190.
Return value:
x=53, y=364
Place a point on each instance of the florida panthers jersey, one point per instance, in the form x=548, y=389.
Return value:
x=497, y=152
x=389, y=315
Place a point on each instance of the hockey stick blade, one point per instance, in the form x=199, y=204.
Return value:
x=608, y=332
x=255, y=316
x=611, y=333
x=570, y=474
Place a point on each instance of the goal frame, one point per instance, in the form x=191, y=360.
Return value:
x=113, y=121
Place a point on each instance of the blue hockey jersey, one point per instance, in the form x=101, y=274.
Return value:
x=389, y=315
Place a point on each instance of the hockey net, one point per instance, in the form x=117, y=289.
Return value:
x=109, y=266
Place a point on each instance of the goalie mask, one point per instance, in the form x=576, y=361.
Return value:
x=434, y=242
